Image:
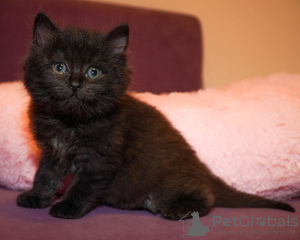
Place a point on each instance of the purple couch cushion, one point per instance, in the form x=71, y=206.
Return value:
x=18, y=223
x=164, y=48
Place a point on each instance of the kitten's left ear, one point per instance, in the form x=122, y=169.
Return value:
x=118, y=38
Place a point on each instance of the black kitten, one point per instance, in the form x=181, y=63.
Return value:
x=120, y=151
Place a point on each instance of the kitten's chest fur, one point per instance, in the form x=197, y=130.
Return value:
x=76, y=145
x=62, y=144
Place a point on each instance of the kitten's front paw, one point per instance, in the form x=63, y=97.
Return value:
x=67, y=209
x=33, y=200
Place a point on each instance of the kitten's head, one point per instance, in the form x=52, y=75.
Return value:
x=76, y=72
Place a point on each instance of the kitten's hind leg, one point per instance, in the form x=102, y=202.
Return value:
x=182, y=209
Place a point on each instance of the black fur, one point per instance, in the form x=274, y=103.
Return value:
x=120, y=151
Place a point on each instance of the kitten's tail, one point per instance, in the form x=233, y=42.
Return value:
x=227, y=196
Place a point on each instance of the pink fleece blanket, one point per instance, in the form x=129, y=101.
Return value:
x=247, y=133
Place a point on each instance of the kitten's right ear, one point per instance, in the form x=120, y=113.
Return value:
x=44, y=29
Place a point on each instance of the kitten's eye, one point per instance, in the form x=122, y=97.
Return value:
x=93, y=73
x=59, y=68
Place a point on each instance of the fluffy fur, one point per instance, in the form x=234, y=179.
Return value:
x=120, y=151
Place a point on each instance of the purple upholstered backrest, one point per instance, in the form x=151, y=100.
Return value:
x=164, y=48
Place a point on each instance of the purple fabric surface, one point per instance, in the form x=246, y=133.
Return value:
x=164, y=48
x=108, y=223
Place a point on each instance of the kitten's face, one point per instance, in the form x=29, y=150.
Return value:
x=76, y=71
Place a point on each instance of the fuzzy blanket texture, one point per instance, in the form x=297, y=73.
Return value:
x=247, y=133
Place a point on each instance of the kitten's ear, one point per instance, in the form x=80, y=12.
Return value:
x=118, y=38
x=44, y=29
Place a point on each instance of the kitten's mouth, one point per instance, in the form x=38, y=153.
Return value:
x=74, y=95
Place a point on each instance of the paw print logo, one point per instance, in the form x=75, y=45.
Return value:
x=261, y=221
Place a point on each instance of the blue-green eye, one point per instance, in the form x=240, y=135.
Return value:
x=59, y=68
x=93, y=73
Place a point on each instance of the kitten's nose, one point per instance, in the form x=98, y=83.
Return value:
x=74, y=85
